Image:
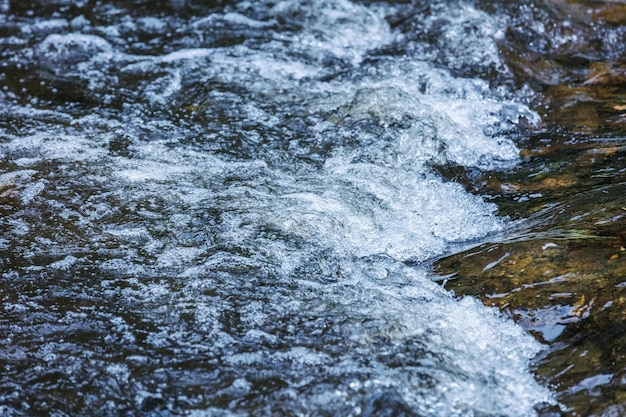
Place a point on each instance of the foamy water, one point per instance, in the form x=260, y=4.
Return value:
x=231, y=213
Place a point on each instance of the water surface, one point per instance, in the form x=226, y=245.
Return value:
x=559, y=269
x=230, y=208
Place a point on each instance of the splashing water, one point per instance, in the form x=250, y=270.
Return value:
x=228, y=210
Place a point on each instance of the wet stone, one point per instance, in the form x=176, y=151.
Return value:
x=559, y=271
x=568, y=291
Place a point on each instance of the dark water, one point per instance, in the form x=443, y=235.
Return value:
x=232, y=208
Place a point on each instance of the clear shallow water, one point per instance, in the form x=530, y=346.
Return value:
x=230, y=209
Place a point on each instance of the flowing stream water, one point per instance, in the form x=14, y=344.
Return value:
x=231, y=208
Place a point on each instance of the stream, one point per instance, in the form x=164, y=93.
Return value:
x=312, y=208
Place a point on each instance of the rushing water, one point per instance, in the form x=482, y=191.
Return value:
x=229, y=209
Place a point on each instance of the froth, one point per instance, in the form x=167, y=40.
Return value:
x=249, y=211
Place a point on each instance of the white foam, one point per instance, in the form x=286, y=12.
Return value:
x=244, y=20
x=262, y=262
x=186, y=54
x=340, y=29
x=150, y=171
x=62, y=52
x=65, y=263
x=468, y=38
x=50, y=25
x=51, y=146
x=151, y=24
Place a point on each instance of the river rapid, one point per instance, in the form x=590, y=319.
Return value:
x=231, y=208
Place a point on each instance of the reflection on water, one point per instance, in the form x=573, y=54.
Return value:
x=229, y=208
x=561, y=276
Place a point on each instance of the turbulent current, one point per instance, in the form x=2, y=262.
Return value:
x=229, y=209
